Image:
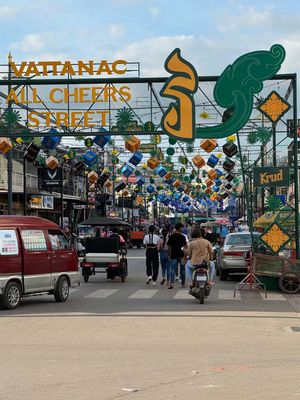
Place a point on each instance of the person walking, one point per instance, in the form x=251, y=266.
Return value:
x=151, y=241
x=164, y=259
x=199, y=251
x=176, y=243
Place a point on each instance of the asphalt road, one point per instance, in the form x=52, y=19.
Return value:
x=114, y=340
x=102, y=296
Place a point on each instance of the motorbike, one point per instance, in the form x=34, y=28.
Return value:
x=200, y=288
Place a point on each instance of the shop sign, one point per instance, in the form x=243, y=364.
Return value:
x=41, y=202
x=271, y=176
x=79, y=206
x=50, y=178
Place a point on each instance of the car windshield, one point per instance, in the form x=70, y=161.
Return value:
x=240, y=239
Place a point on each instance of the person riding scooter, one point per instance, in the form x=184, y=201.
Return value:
x=200, y=252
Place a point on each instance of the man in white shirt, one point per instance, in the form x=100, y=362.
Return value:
x=151, y=241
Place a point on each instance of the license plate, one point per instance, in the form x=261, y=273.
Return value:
x=201, y=278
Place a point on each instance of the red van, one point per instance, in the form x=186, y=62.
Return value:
x=35, y=257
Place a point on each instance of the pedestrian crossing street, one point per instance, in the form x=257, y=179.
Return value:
x=176, y=294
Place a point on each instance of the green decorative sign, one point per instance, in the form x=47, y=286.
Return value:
x=271, y=176
x=234, y=91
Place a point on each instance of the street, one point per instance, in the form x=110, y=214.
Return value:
x=114, y=340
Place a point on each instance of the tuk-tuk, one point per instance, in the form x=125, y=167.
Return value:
x=104, y=252
x=136, y=236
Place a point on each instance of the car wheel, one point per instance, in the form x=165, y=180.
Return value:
x=12, y=295
x=62, y=289
x=223, y=275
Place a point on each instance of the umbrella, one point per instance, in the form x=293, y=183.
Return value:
x=223, y=221
x=103, y=221
x=210, y=224
x=285, y=216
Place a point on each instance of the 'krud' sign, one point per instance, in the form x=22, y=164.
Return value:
x=271, y=176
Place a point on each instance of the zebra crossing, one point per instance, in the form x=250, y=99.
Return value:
x=177, y=294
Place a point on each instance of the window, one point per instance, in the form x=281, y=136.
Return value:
x=34, y=240
x=58, y=240
x=8, y=242
x=241, y=239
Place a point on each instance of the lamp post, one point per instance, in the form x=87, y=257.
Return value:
x=10, y=153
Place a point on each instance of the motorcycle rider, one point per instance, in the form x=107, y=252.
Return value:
x=199, y=251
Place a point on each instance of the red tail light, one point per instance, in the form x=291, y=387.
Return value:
x=234, y=253
x=113, y=265
x=87, y=265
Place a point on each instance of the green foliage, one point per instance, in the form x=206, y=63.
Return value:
x=273, y=203
x=263, y=135
x=252, y=138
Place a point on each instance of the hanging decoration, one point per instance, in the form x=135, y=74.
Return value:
x=208, y=145
x=12, y=117
x=274, y=107
x=170, y=151
x=204, y=115
x=5, y=145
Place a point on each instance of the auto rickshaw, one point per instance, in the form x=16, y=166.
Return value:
x=136, y=236
x=104, y=253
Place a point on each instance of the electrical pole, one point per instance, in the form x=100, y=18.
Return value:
x=10, y=153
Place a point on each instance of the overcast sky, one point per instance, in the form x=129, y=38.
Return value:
x=211, y=33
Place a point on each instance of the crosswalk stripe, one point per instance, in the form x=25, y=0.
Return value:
x=182, y=294
x=143, y=294
x=228, y=295
x=101, y=293
x=273, y=296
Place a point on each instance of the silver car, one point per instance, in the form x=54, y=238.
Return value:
x=231, y=257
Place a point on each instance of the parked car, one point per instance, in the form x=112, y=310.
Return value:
x=231, y=256
x=35, y=257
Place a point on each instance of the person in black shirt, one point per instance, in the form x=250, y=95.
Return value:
x=175, y=244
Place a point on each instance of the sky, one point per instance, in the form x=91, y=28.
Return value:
x=211, y=33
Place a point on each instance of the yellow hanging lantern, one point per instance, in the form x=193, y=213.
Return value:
x=231, y=138
x=157, y=139
x=115, y=152
x=204, y=115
